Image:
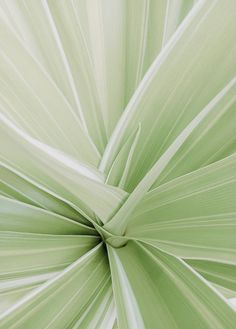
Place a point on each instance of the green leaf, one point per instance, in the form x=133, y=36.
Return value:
x=59, y=127
x=118, y=174
x=142, y=45
x=62, y=301
x=25, y=253
x=106, y=49
x=182, y=80
x=220, y=274
x=153, y=289
x=76, y=183
x=214, y=138
x=28, y=260
x=18, y=188
x=152, y=176
x=117, y=164
x=193, y=216
x=20, y=217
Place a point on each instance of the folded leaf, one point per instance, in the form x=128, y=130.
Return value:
x=118, y=174
x=76, y=183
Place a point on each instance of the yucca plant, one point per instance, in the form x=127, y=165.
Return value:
x=118, y=164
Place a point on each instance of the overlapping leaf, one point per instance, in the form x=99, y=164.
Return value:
x=99, y=99
x=143, y=275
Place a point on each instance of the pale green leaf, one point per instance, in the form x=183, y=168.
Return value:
x=153, y=289
x=25, y=253
x=117, y=164
x=152, y=176
x=142, y=45
x=218, y=273
x=20, y=217
x=182, y=80
x=18, y=188
x=62, y=301
x=74, y=182
x=192, y=216
x=44, y=106
x=120, y=168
